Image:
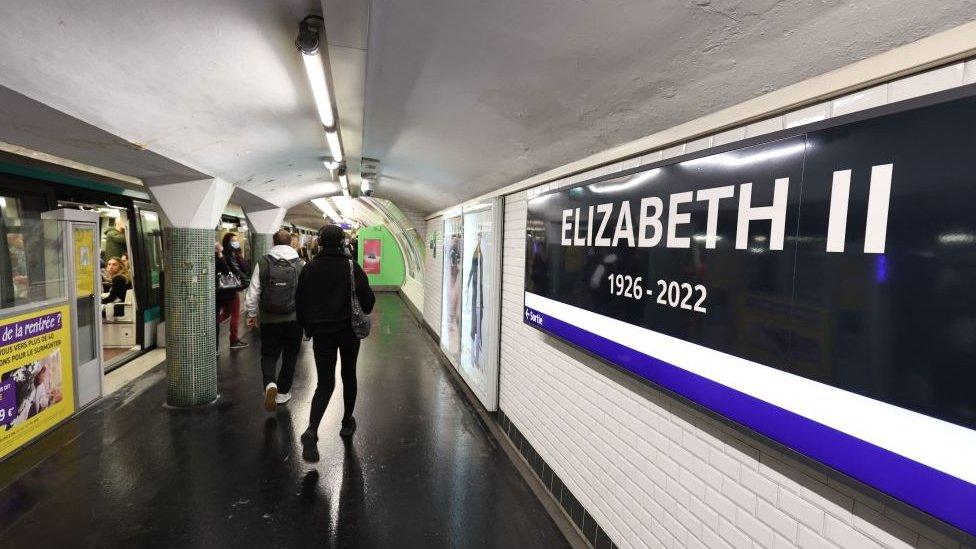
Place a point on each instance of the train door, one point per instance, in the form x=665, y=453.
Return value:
x=121, y=275
x=149, y=245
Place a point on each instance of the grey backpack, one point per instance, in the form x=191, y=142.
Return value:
x=278, y=284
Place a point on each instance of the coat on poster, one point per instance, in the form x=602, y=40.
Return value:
x=813, y=285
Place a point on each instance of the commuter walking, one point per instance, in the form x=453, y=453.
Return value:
x=332, y=300
x=229, y=280
x=271, y=298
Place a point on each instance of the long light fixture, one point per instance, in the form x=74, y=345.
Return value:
x=309, y=45
x=344, y=183
x=320, y=89
x=332, y=137
x=327, y=210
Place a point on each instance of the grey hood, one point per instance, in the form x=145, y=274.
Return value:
x=283, y=251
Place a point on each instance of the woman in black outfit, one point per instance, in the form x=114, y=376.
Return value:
x=323, y=304
x=119, y=281
x=227, y=301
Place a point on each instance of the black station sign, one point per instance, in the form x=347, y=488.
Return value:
x=841, y=253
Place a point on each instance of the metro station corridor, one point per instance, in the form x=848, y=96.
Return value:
x=421, y=471
x=647, y=274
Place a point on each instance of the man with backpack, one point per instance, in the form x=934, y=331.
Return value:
x=271, y=296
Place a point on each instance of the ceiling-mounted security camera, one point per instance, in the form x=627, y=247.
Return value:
x=368, y=187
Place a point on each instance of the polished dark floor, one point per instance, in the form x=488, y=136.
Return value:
x=421, y=471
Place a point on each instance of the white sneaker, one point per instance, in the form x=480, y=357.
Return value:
x=271, y=397
x=283, y=398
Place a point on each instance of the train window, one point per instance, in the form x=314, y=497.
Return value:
x=153, y=242
x=31, y=257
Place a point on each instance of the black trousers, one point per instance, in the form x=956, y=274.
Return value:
x=326, y=346
x=282, y=339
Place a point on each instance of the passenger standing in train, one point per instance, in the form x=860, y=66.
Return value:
x=326, y=289
x=229, y=280
x=115, y=242
x=271, y=298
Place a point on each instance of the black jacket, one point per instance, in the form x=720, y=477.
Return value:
x=227, y=264
x=117, y=292
x=323, y=301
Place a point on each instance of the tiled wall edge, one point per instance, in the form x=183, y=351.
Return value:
x=584, y=521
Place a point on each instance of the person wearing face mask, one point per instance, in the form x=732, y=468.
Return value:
x=230, y=306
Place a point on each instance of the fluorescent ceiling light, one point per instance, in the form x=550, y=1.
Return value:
x=345, y=192
x=344, y=182
x=320, y=88
x=327, y=209
x=332, y=136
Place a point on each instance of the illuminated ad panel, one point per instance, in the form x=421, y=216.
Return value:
x=817, y=286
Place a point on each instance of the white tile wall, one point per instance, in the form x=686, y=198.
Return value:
x=433, y=273
x=654, y=472
x=729, y=136
x=813, y=113
x=417, y=221
x=927, y=82
x=969, y=74
x=865, y=99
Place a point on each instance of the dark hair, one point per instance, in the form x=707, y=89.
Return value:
x=281, y=238
x=225, y=242
x=331, y=236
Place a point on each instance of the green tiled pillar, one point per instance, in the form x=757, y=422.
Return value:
x=260, y=244
x=191, y=364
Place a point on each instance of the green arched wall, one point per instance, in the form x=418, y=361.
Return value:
x=392, y=268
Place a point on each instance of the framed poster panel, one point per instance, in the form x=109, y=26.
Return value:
x=372, y=255
x=480, y=270
x=814, y=285
x=451, y=288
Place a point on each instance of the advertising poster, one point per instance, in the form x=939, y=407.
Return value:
x=476, y=280
x=814, y=285
x=84, y=260
x=36, y=386
x=371, y=255
x=451, y=302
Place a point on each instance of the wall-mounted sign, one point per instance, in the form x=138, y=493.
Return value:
x=36, y=386
x=372, y=248
x=816, y=286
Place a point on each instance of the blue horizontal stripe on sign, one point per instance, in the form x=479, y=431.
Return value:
x=948, y=498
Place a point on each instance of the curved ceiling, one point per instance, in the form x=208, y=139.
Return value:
x=461, y=97
x=215, y=85
x=465, y=97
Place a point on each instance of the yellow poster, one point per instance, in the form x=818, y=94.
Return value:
x=36, y=386
x=84, y=260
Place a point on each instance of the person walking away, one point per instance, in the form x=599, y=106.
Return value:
x=324, y=308
x=235, y=261
x=229, y=280
x=271, y=299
